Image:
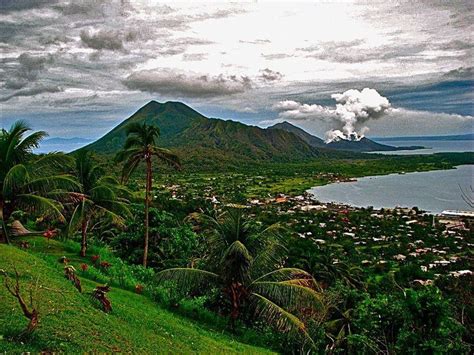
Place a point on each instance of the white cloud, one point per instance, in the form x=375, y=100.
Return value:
x=299, y=52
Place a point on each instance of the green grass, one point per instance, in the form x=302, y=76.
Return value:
x=72, y=322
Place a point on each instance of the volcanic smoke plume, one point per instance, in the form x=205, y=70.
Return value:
x=353, y=109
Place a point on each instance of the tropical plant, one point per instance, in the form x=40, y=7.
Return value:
x=172, y=244
x=140, y=146
x=102, y=198
x=32, y=183
x=328, y=268
x=244, y=262
x=342, y=300
x=412, y=322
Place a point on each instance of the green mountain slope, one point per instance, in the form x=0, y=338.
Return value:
x=201, y=138
x=70, y=322
x=308, y=138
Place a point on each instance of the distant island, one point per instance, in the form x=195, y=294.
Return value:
x=62, y=144
x=182, y=127
x=458, y=137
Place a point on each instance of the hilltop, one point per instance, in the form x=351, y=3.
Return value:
x=208, y=139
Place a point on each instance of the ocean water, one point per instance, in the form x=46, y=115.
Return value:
x=433, y=146
x=432, y=191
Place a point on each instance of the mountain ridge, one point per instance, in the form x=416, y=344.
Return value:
x=195, y=136
x=362, y=145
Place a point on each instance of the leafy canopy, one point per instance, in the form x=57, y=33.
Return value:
x=245, y=260
x=29, y=182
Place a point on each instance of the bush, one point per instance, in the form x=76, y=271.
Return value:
x=419, y=322
x=172, y=244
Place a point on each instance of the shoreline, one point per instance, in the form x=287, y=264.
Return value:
x=369, y=177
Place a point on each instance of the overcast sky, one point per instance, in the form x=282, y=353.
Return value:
x=78, y=68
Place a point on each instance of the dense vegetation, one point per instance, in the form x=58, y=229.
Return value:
x=223, y=254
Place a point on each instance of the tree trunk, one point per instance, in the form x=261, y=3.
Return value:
x=85, y=222
x=4, y=225
x=236, y=292
x=147, y=207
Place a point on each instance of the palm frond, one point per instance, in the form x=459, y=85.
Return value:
x=127, y=154
x=32, y=141
x=276, y=315
x=111, y=215
x=167, y=156
x=132, y=142
x=284, y=274
x=129, y=166
x=269, y=256
x=291, y=294
x=102, y=192
x=118, y=207
x=46, y=184
x=9, y=155
x=76, y=218
x=187, y=279
x=236, y=261
x=15, y=178
x=51, y=163
x=40, y=204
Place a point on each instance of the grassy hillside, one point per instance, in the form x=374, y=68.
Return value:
x=72, y=322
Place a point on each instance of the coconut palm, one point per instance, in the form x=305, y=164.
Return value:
x=244, y=262
x=102, y=198
x=28, y=182
x=327, y=268
x=140, y=146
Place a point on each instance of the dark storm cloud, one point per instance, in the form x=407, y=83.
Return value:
x=18, y=5
x=462, y=73
x=95, y=8
x=274, y=56
x=31, y=65
x=269, y=75
x=354, y=52
x=36, y=90
x=27, y=68
x=194, y=57
x=170, y=82
x=102, y=40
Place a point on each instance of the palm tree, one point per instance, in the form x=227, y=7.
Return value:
x=140, y=147
x=28, y=182
x=101, y=198
x=327, y=268
x=244, y=262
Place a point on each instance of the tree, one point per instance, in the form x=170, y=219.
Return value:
x=412, y=322
x=172, y=243
x=102, y=197
x=244, y=262
x=29, y=182
x=325, y=265
x=140, y=147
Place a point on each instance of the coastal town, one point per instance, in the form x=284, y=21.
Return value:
x=384, y=240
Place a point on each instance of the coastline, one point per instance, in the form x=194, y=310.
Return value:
x=375, y=199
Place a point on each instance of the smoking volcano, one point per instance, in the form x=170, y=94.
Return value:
x=353, y=110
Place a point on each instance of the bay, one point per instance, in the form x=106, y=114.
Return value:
x=432, y=191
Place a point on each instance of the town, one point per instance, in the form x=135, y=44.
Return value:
x=402, y=239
